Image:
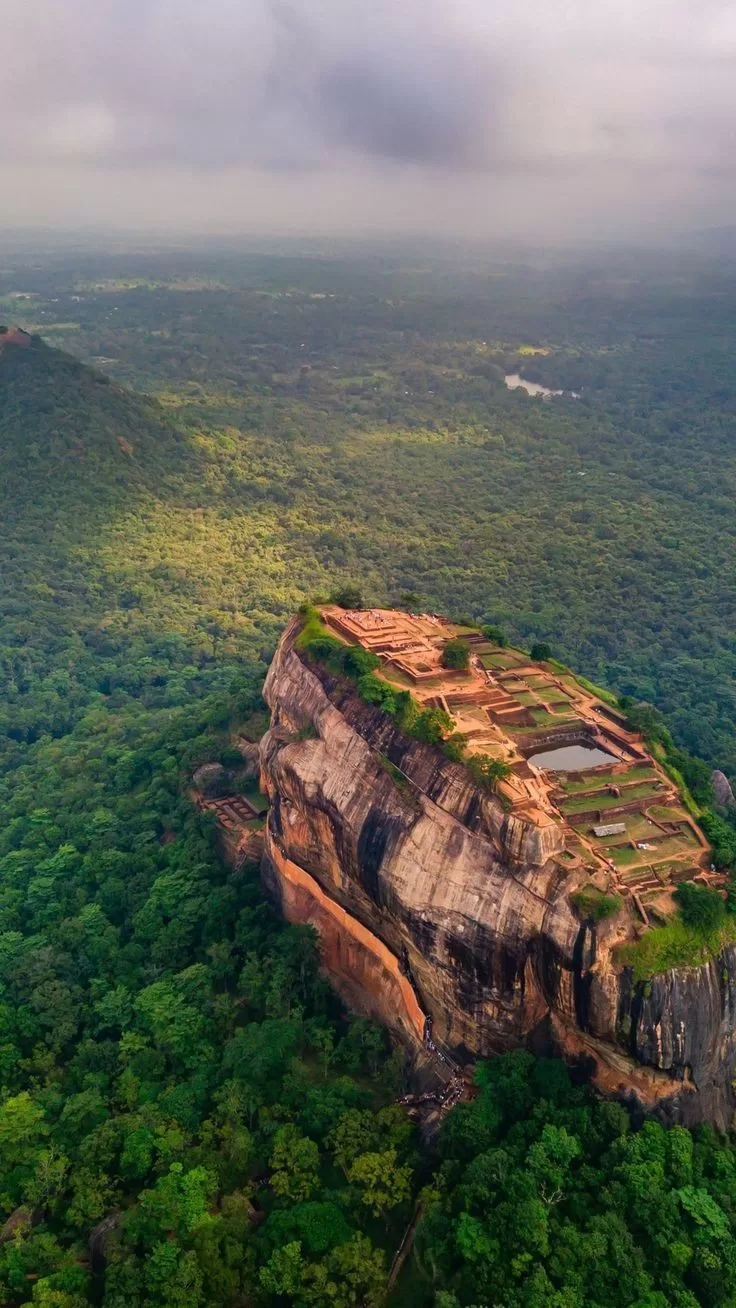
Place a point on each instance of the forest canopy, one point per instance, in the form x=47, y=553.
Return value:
x=188, y=1116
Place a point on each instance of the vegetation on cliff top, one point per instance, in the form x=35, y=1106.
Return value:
x=593, y=903
x=456, y=655
x=675, y=944
x=432, y=726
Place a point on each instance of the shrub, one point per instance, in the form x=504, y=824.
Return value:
x=407, y=710
x=592, y=903
x=456, y=655
x=695, y=773
x=700, y=907
x=315, y=641
x=431, y=725
x=722, y=837
x=607, y=696
x=487, y=771
x=374, y=691
x=541, y=651
x=348, y=597
x=357, y=661
x=454, y=747
x=312, y=626
x=647, y=720
x=674, y=945
x=396, y=775
x=495, y=634
x=326, y=649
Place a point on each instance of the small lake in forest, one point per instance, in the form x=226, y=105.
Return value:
x=571, y=758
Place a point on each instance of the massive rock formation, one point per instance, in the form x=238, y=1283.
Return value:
x=433, y=902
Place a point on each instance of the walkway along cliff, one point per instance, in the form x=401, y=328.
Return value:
x=444, y=907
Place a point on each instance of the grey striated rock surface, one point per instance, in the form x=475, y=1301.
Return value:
x=251, y=759
x=722, y=789
x=472, y=906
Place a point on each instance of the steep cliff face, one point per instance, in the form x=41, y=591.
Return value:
x=431, y=901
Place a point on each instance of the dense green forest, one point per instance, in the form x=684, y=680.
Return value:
x=349, y=417
x=170, y=1057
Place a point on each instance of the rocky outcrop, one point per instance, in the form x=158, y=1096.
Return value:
x=722, y=789
x=212, y=780
x=432, y=901
x=251, y=757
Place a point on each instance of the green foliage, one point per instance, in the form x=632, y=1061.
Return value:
x=383, y=1184
x=487, y=771
x=545, y=1196
x=494, y=633
x=647, y=720
x=348, y=597
x=591, y=902
x=294, y=1164
x=159, y=1027
x=691, y=774
x=358, y=662
x=701, y=908
x=675, y=945
x=454, y=747
x=373, y=690
x=401, y=461
x=431, y=725
x=541, y=652
x=352, y=1276
x=315, y=640
x=723, y=837
x=601, y=692
x=166, y=1040
x=456, y=655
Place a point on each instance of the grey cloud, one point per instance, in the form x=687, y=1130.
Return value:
x=413, y=106
x=627, y=102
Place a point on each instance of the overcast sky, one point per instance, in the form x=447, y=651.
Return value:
x=468, y=117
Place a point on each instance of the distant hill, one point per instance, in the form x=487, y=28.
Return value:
x=69, y=436
x=14, y=336
x=98, y=490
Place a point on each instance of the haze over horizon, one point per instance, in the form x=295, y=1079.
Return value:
x=553, y=121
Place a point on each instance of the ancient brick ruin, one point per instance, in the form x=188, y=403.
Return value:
x=623, y=818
